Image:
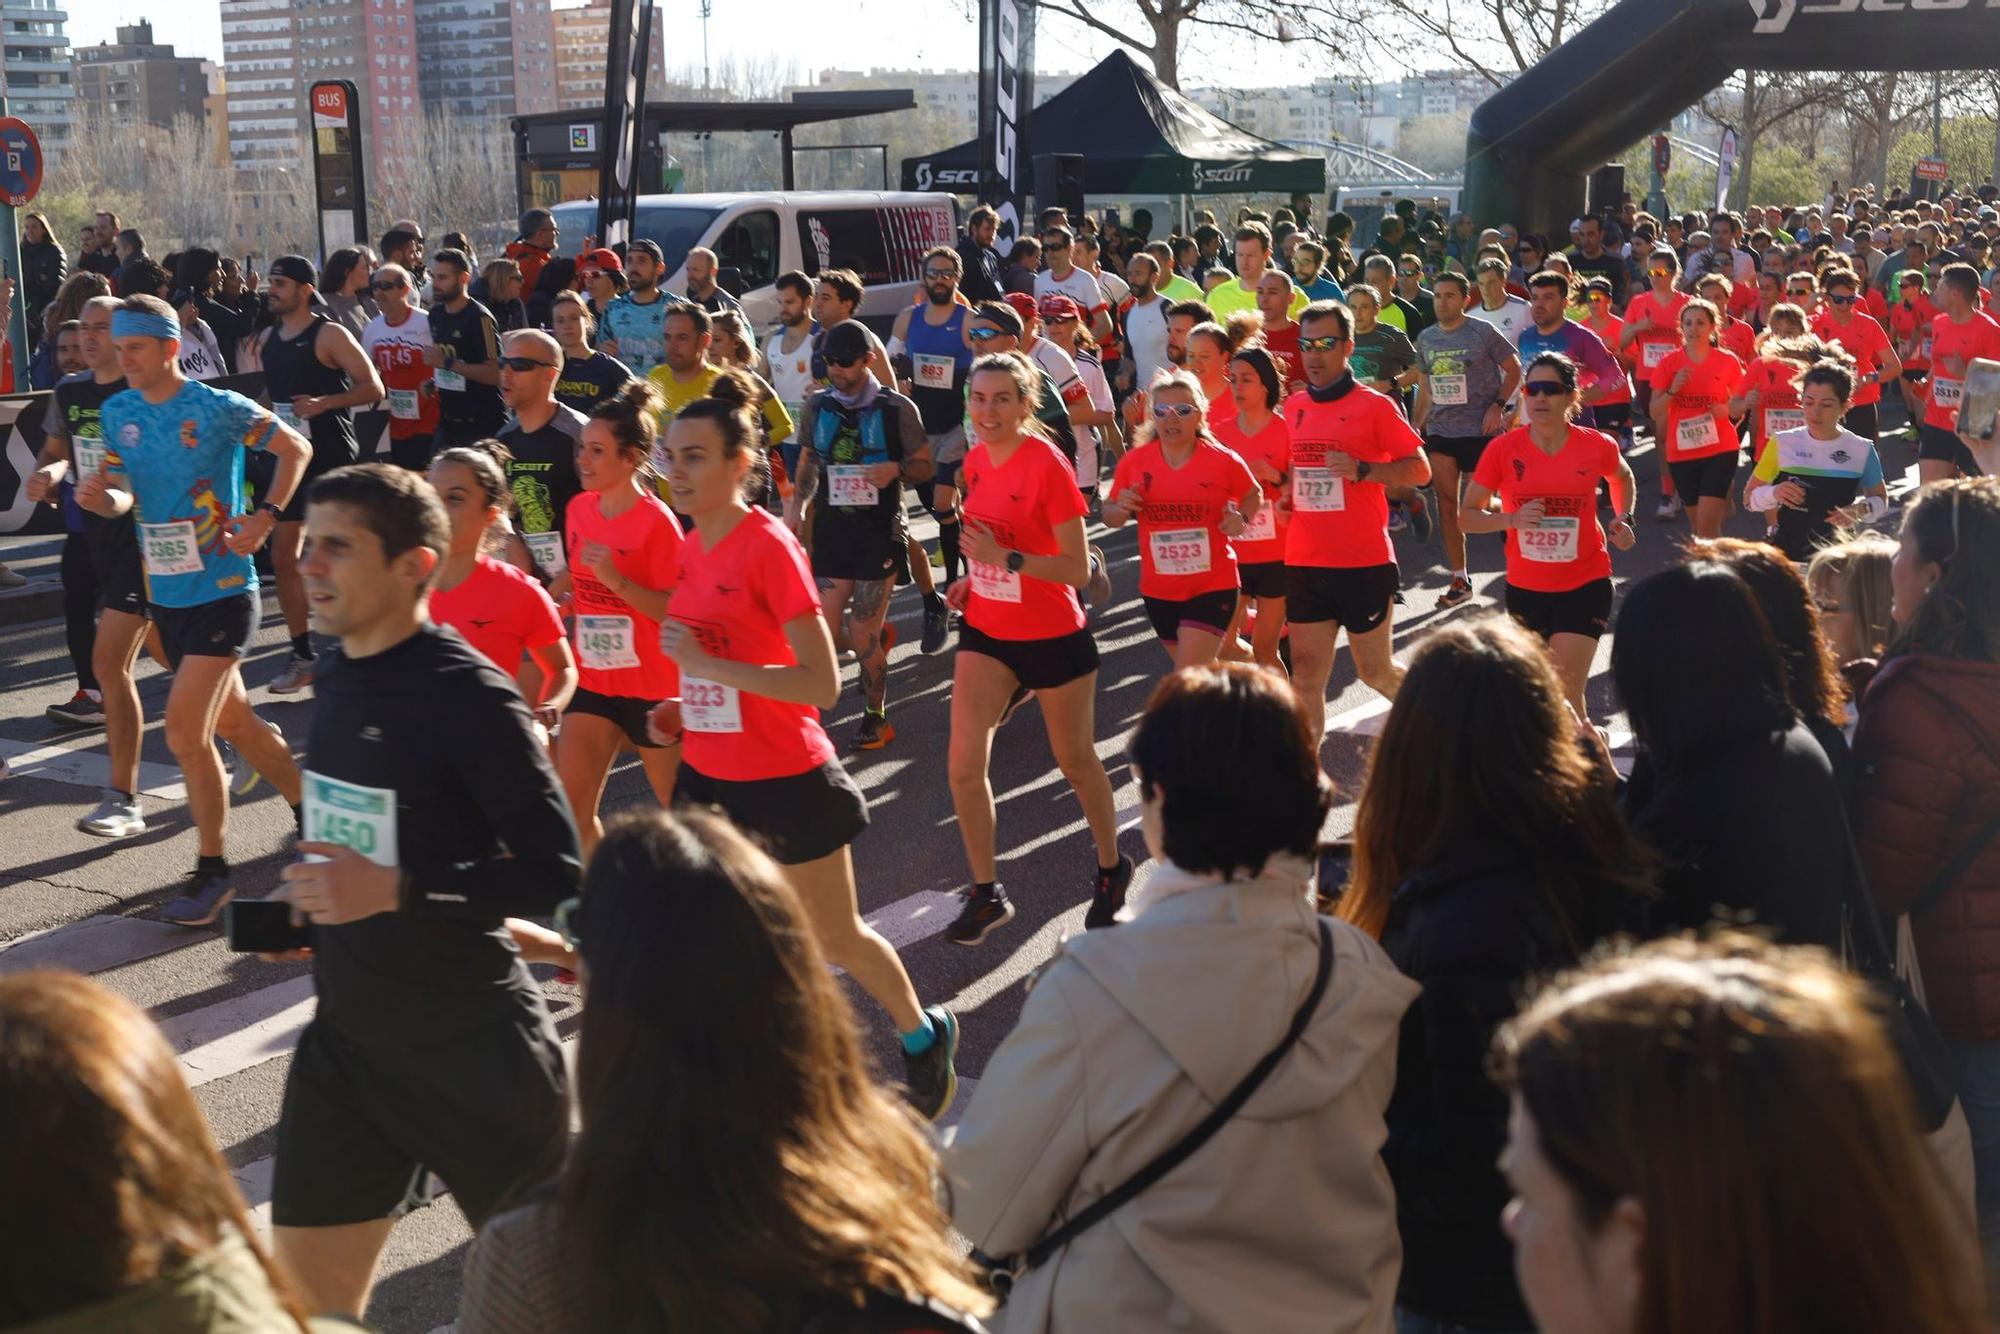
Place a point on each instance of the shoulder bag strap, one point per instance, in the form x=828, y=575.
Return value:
x=1149, y=1174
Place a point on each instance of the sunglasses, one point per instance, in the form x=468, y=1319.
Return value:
x=1327, y=344
x=525, y=364
x=1048, y=246
x=985, y=335
x=1059, y=319
x=848, y=362
x=1843, y=300
x=1162, y=411
x=940, y=273
x=1544, y=389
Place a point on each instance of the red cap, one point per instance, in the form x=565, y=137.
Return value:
x=1023, y=304
x=601, y=259
x=1057, y=306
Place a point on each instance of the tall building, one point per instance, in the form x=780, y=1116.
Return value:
x=137, y=80
x=487, y=58
x=36, y=71
x=583, y=45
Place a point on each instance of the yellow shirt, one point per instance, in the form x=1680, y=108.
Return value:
x=1232, y=296
x=678, y=393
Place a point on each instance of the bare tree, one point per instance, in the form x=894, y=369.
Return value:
x=1496, y=39
x=1160, y=27
x=461, y=178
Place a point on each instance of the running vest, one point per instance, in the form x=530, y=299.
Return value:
x=846, y=437
x=939, y=359
x=292, y=370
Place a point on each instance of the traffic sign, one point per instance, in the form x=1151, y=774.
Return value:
x=20, y=163
x=1932, y=169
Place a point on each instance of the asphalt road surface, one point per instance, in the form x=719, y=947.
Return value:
x=71, y=901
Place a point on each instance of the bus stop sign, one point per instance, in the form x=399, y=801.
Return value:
x=20, y=163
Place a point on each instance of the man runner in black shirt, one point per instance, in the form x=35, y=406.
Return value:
x=466, y=354
x=542, y=436
x=431, y=815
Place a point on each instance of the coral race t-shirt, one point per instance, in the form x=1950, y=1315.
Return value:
x=1342, y=523
x=1021, y=502
x=1566, y=550
x=1862, y=338
x=1263, y=542
x=1777, y=398
x=738, y=597
x=1695, y=429
x=618, y=648
x=1182, y=549
x=500, y=610
x=1953, y=348
x=1653, y=346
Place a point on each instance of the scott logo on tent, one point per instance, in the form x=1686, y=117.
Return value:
x=926, y=178
x=1774, y=16
x=1236, y=173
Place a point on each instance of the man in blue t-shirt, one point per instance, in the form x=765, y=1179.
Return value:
x=174, y=461
x=1550, y=330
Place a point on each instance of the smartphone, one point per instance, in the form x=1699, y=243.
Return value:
x=1336, y=859
x=261, y=926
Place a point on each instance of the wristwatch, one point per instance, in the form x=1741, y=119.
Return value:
x=1361, y=471
x=276, y=513
x=1016, y=559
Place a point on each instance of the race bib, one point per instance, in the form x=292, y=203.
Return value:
x=403, y=405
x=1652, y=354
x=710, y=706
x=931, y=372
x=1778, y=420
x=547, y=551
x=170, y=548
x=356, y=817
x=849, y=488
x=996, y=583
x=1924, y=352
x=87, y=452
x=604, y=643
x=1448, y=391
x=448, y=381
x=1263, y=525
x=1947, y=393
x=1179, y=550
x=1552, y=542
x=1316, y=490
x=1697, y=433
x=287, y=416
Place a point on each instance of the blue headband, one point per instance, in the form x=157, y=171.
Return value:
x=126, y=322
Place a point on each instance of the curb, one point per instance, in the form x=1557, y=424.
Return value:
x=38, y=600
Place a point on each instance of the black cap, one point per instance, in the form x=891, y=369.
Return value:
x=650, y=247
x=296, y=267
x=847, y=343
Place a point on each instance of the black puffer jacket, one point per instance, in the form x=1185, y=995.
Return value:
x=43, y=268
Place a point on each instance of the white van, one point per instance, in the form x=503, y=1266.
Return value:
x=1369, y=204
x=881, y=236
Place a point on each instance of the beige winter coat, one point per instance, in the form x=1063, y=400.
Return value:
x=1286, y=1219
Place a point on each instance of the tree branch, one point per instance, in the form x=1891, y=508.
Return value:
x=1075, y=10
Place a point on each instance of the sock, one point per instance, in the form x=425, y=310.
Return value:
x=302, y=646
x=96, y=696
x=127, y=797
x=882, y=712
x=948, y=536
x=985, y=888
x=210, y=866
x=1461, y=574
x=920, y=1040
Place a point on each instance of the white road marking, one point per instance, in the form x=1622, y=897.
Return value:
x=232, y=1036
x=96, y=944
x=88, y=768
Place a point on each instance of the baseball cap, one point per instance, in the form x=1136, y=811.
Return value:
x=601, y=259
x=1056, y=306
x=650, y=247
x=1023, y=304
x=296, y=267
x=846, y=343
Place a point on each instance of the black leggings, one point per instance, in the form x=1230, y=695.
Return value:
x=79, y=585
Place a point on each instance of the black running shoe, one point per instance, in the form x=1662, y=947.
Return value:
x=937, y=625
x=985, y=912
x=1107, y=897
x=930, y=1079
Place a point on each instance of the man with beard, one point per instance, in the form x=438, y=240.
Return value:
x=933, y=337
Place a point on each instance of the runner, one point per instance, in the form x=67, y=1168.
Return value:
x=540, y=437
x=73, y=447
x=1811, y=476
x=1736, y=337
x=1382, y=358
x=1281, y=331
x=786, y=360
x=1209, y=348
x=314, y=372
x=1143, y=315
x=1770, y=392
x=1258, y=435
x=1614, y=410
x=1023, y=630
x=755, y=665
x=1062, y=277
x=623, y=550
x=1496, y=305
x=398, y=342
x=431, y=815
x=1191, y=495
x=1546, y=474
x=1253, y=258
x=862, y=443
x=1652, y=332
x=588, y=376
x=1692, y=389
x=996, y=327
x=464, y=356
x=174, y=462
x=500, y=611
x=687, y=373
x=1350, y=444
x=1910, y=323
x=1467, y=374
x=933, y=336
x=631, y=326
x=1961, y=333
x=1598, y=372
x=1093, y=416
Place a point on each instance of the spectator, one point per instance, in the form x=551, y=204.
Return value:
x=130, y=248
x=98, y=249
x=535, y=246
x=1023, y=262
x=344, y=282
x=77, y=289
x=1475, y=887
x=502, y=283
x=558, y=275
x=979, y=279
x=1649, y=1089
x=1851, y=589
x=737, y=1168
x=1734, y=792
x=120, y=1213
x=1927, y=801
x=43, y=268
x=1117, y=1057
x=203, y=272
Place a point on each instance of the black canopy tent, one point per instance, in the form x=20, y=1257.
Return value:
x=1138, y=138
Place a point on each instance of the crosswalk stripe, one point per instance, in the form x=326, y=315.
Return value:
x=95, y=944
x=231, y=1036
x=87, y=767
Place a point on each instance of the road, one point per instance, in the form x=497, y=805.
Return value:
x=71, y=901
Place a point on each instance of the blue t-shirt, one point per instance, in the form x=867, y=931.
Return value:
x=1322, y=288
x=1594, y=361
x=183, y=462
x=639, y=329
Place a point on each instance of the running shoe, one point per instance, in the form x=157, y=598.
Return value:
x=937, y=624
x=1098, y=590
x=1398, y=520
x=930, y=1078
x=1422, y=525
x=297, y=676
x=116, y=816
x=1669, y=507
x=985, y=912
x=874, y=732
x=12, y=578
x=203, y=902
x=1020, y=696
x=79, y=710
x=1458, y=592
x=1107, y=895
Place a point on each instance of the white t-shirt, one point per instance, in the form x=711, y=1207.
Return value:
x=201, y=355
x=1079, y=287
x=1115, y=289
x=1510, y=319
x=1146, y=339
x=1061, y=369
x=790, y=373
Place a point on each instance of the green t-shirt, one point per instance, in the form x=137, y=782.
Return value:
x=1231, y=297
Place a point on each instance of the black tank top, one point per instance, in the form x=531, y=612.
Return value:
x=292, y=369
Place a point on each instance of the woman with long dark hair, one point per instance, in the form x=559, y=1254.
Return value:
x=1511, y=867
x=737, y=1171
x=1258, y=434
